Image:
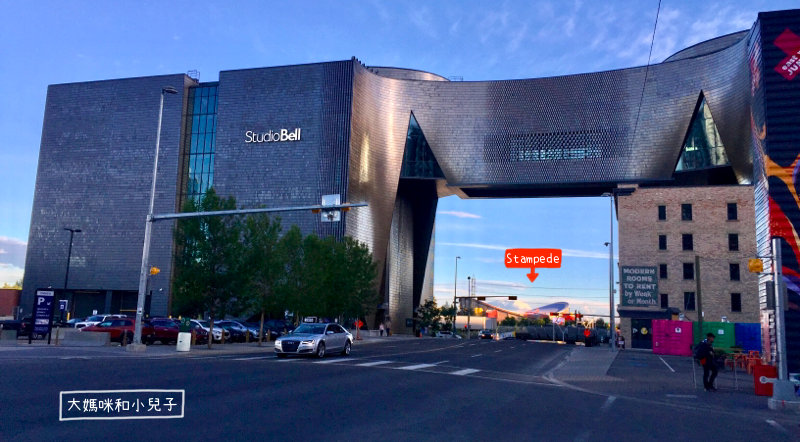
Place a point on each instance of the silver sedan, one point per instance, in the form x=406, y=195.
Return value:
x=315, y=339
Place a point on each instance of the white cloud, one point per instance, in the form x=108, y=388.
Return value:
x=13, y=251
x=459, y=214
x=14, y=241
x=2, y=251
x=9, y=273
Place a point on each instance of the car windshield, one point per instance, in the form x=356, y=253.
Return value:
x=104, y=324
x=95, y=318
x=204, y=323
x=316, y=329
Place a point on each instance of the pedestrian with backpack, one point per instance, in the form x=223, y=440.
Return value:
x=704, y=354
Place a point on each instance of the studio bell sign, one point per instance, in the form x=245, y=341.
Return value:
x=272, y=136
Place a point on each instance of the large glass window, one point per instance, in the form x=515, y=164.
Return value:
x=662, y=242
x=688, y=241
x=733, y=242
x=686, y=212
x=199, y=144
x=418, y=160
x=703, y=148
x=688, y=270
x=688, y=301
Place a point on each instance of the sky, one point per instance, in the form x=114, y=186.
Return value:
x=43, y=43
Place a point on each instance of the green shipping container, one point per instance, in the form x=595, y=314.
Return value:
x=724, y=334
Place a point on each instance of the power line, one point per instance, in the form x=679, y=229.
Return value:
x=646, y=70
x=542, y=288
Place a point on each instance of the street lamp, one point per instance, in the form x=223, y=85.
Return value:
x=137, y=334
x=610, y=246
x=469, y=306
x=455, y=294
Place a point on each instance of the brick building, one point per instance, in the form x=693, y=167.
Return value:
x=666, y=228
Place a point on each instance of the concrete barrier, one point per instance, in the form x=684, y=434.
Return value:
x=77, y=338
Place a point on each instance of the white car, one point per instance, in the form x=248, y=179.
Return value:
x=217, y=330
x=446, y=334
x=96, y=319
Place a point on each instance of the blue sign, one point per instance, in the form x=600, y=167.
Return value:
x=42, y=311
x=62, y=305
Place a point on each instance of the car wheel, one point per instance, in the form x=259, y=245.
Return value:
x=128, y=338
x=346, y=349
x=321, y=350
x=281, y=355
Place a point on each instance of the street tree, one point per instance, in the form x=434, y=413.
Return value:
x=509, y=321
x=448, y=312
x=290, y=285
x=208, y=264
x=430, y=315
x=263, y=265
x=600, y=323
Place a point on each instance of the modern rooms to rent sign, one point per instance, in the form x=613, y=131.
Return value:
x=639, y=287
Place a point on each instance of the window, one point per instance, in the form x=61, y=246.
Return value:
x=688, y=301
x=703, y=148
x=688, y=243
x=662, y=271
x=688, y=270
x=664, y=300
x=200, y=142
x=733, y=242
x=732, y=212
x=734, y=268
x=686, y=212
x=662, y=242
x=662, y=213
x=736, y=302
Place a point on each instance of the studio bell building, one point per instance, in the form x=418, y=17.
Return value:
x=398, y=140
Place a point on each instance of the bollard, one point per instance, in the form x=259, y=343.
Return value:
x=222, y=339
x=194, y=338
x=247, y=336
x=57, y=329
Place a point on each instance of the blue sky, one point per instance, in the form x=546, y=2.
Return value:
x=44, y=43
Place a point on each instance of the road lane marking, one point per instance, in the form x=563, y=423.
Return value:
x=475, y=356
x=776, y=425
x=498, y=351
x=688, y=396
x=372, y=364
x=290, y=360
x=416, y=367
x=665, y=363
x=332, y=361
x=253, y=359
x=465, y=371
x=608, y=403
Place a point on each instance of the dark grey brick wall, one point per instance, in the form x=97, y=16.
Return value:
x=95, y=172
x=315, y=98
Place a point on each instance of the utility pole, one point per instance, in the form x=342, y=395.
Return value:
x=780, y=320
x=698, y=297
x=469, y=306
x=455, y=296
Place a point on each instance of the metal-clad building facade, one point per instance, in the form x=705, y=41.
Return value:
x=558, y=136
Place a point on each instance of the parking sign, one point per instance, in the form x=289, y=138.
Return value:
x=42, y=311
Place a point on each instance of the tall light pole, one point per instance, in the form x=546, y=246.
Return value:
x=455, y=295
x=137, y=334
x=469, y=307
x=610, y=245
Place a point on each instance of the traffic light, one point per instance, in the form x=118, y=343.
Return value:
x=512, y=298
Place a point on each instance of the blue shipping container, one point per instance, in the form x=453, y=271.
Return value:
x=748, y=336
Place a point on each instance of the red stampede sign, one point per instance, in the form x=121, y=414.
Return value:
x=789, y=42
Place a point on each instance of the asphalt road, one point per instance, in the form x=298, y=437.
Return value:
x=413, y=390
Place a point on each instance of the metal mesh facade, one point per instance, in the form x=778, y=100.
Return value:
x=558, y=136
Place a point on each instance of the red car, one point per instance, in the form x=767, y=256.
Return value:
x=121, y=327
x=167, y=329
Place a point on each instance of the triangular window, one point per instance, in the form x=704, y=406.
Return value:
x=703, y=148
x=418, y=159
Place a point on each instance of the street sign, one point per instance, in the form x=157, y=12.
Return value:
x=755, y=265
x=42, y=311
x=359, y=323
x=639, y=286
x=62, y=305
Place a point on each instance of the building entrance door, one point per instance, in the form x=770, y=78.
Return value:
x=641, y=333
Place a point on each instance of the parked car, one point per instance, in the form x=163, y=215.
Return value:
x=239, y=327
x=235, y=334
x=166, y=330
x=200, y=334
x=486, y=334
x=119, y=328
x=446, y=334
x=96, y=319
x=73, y=321
x=218, y=331
x=315, y=339
x=274, y=333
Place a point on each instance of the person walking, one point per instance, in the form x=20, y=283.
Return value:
x=381, y=328
x=707, y=358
